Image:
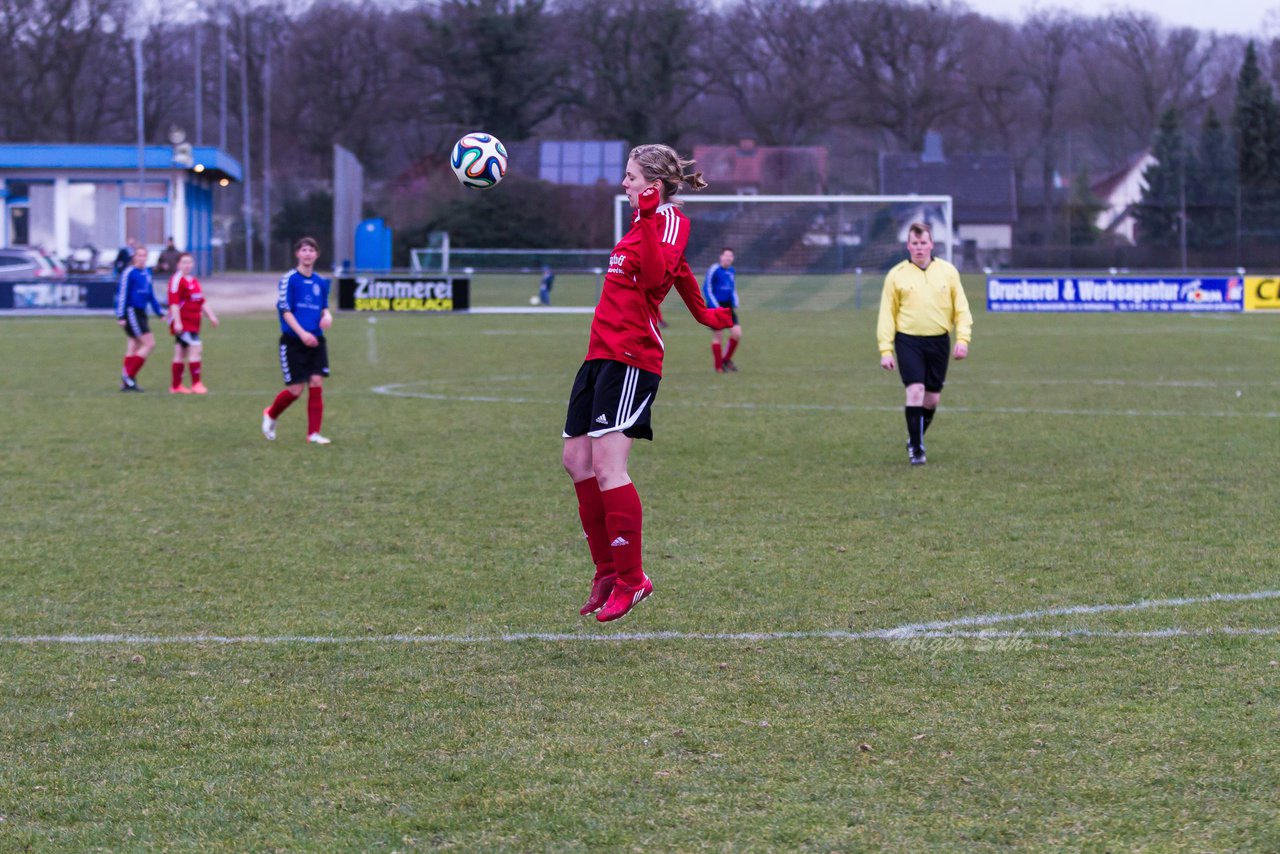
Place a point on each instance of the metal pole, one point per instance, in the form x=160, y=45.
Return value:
x=199, y=84
x=244, y=129
x=266, y=159
x=222, y=81
x=142, y=157
x=1182, y=206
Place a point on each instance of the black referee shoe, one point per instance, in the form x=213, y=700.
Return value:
x=915, y=455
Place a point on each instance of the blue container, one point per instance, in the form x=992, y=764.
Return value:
x=373, y=245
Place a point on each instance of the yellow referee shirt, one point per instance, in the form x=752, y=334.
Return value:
x=922, y=302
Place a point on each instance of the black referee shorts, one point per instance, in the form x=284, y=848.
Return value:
x=923, y=359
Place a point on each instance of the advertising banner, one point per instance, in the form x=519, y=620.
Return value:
x=71, y=295
x=1261, y=293
x=421, y=294
x=1115, y=293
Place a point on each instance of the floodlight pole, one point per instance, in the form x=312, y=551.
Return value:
x=222, y=80
x=139, y=35
x=1182, y=206
x=266, y=159
x=244, y=128
x=199, y=83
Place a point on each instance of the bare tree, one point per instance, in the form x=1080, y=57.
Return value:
x=338, y=80
x=62, y=65
x=903, y=64
x=778, y=69
x=636, y=64
x=1138, y=69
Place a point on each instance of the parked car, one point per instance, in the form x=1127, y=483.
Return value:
x=21, y=263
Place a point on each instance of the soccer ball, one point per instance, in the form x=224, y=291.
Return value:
x=479, y=160
x=533, y=300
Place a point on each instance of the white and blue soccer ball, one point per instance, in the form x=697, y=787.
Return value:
x=479, y=160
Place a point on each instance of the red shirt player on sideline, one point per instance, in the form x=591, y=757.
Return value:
x=186, y=306
x=613, y=393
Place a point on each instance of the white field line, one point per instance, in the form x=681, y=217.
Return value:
x=397, y=390
x=936, y=629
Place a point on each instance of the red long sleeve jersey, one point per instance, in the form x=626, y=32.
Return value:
x=647, y=261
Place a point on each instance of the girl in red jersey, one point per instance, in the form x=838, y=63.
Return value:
x=186, y=306
x=614, y=390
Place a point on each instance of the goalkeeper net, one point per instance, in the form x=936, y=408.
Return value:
x=443, y=259
x=806, y=234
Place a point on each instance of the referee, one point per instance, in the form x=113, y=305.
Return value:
x=921, y=301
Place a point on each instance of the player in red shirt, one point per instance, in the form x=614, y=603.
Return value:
x=614, y=390
x=186, y=306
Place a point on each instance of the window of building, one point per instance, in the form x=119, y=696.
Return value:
x=582, y=161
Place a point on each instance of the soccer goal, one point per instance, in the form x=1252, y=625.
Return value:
x=807, y=234
x=444, y=259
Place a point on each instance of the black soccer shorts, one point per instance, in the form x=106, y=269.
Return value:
x=299, y=363
x=611, y=397
x=135, y=322
x=923, y=359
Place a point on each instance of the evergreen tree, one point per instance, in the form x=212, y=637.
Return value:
x=1158, y=212
x=1211, y=188
x=1257, y=123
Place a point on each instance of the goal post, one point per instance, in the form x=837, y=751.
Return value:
x=797, y=234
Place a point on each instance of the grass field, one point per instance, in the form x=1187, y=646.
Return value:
x=374, y=646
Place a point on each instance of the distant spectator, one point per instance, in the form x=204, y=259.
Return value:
x=168, y=263
x=124, y=258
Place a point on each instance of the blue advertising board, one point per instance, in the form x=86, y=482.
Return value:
x=93, y=294
x=1115, y=293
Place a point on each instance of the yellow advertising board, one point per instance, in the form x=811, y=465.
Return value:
x=1262, y=293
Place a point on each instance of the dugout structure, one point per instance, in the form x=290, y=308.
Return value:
x=807, y=234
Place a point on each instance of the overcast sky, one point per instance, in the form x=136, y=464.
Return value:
x=1241, y=17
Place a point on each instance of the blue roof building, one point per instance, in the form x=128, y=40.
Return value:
x=63, y=197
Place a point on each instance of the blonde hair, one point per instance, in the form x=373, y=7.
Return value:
x=661, y=163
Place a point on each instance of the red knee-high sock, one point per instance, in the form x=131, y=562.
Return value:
x=281, y=403
x=715, y=354
x=733, y=345
x=133, y=364
x=315, y=409
x=175, y=370
x=591, y=512
x=624, y=518
x=195, y=372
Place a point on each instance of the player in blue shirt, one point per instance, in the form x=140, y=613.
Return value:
x=720, y=290
x=545, y=285
x=134, y=295
x=303, y=304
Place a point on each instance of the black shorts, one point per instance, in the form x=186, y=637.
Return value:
x=299, y=363
x=135, y=322
x=734, y=312
x=609, y=397
x=923, y=359
x=186, y=339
